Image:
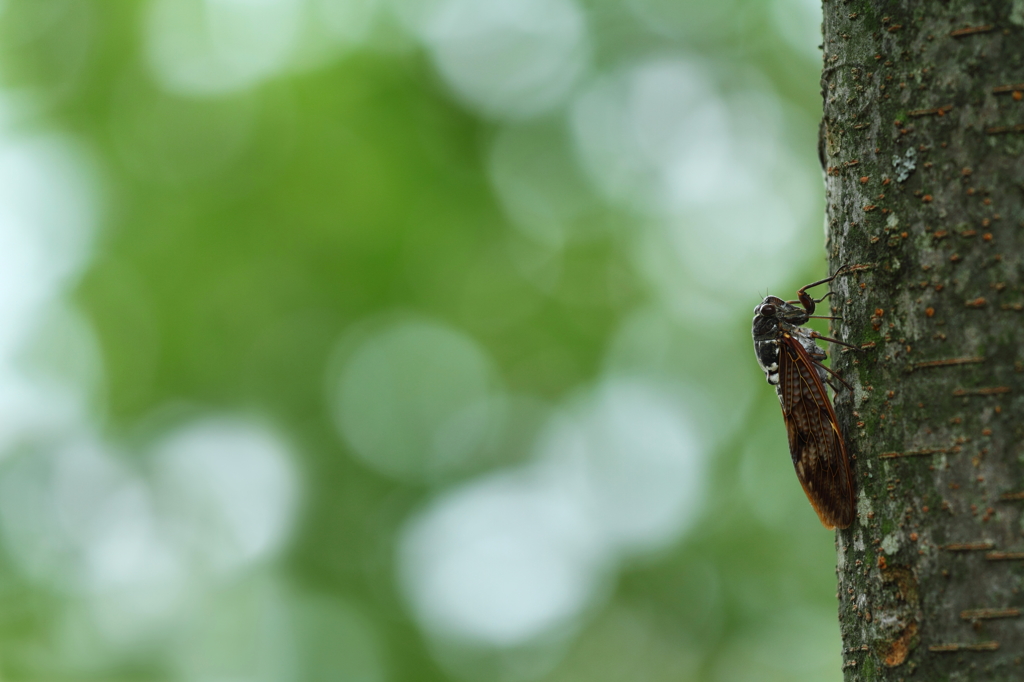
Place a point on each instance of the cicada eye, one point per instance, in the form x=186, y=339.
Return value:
x=767, y=310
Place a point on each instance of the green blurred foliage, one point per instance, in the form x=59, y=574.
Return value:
x=242, y=235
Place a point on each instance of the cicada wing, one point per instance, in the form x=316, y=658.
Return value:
x=815, y=442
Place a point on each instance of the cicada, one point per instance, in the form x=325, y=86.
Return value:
x=791, y=360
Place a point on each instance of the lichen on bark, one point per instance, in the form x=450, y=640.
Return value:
x=922, y=135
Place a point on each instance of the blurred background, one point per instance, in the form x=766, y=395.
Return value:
x=404, y=340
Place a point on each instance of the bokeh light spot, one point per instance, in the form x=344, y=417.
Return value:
x=211, y=47
x=47, y=210
x=229, y=489
x=499, y=561
x=504, y=58
x=416, y=399
x=635, y=463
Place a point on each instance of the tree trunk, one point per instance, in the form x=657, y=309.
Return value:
x=922, y=137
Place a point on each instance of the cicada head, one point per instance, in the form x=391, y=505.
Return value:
x=773, y=310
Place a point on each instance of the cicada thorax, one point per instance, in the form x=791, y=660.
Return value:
x=791, y=361
x=774, y=321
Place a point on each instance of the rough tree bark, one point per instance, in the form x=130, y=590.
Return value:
x=923, y=136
